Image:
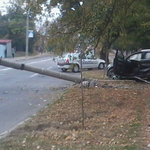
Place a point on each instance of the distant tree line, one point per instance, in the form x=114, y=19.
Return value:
x=13, y=26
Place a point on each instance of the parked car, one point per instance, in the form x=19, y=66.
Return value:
x=72, y=61
x=134, y=66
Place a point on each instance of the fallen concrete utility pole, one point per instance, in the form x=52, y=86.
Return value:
x=43, y=71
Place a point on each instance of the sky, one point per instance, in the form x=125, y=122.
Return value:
x=2, y=4
x=3, y=1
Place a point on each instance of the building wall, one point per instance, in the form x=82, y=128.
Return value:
x=4, y=47
x=9, y=50
x=2, y=50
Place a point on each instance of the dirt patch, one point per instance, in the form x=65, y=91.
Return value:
x=116, y=116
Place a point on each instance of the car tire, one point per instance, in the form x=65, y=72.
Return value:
x=75, y=68
x=63, y=69
x=110, y=73
x=101, y=66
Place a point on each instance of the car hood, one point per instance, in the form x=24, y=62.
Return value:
x=109, y=66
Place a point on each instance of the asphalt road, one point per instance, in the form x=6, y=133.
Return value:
x=24, y=93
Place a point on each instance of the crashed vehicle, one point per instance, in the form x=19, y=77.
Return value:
x=134, y=66
x=71, y=61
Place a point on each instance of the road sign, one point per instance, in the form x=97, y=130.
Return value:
x=30, y=33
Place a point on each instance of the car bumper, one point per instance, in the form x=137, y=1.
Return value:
x=63, y=66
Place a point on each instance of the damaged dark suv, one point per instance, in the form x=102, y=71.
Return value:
x=134, y=66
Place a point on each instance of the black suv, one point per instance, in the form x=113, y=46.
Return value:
x=134, y=66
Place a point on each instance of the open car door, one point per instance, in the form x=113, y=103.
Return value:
x=128, y=67
x=119, y=64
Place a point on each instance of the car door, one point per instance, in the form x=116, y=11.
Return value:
x=94, y=63
x=91, y=63
x=133, y=64
x=118, y=63
x=86, y=63
x=145, y=64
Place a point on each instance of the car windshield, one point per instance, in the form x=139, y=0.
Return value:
x=135, y=57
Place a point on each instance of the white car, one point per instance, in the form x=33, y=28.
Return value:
x=71, y=61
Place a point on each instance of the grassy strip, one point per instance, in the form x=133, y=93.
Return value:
x=96, y=74
x=113, y=120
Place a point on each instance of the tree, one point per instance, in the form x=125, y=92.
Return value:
x=102, y=22
x=13, y=26
x=3, y=26
x=136, y=27
x=98, y=20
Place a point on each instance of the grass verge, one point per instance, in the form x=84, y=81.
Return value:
x=116, y=118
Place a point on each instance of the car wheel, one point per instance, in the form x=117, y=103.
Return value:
x=101, y=66
x=110, y=73
x=75, y=68
x=63, y=69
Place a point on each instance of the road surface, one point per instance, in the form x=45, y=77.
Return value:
x=24, y=93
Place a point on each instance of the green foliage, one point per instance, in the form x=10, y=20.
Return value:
x=110, y=23
x=136, y=27
x=3, y=27
x=13, y=26
x=99, y=21
x=61, y=43
x=123, y=24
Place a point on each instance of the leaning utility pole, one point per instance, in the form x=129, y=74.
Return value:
x=43, y=71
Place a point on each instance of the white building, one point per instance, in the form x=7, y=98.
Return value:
x=5, y=48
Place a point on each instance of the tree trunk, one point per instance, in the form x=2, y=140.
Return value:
x=104, y=55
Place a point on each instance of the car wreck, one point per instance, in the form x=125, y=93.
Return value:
x=135, y=66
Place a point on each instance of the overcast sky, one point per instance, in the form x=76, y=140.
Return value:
x=3, y=1
x=2, y=4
